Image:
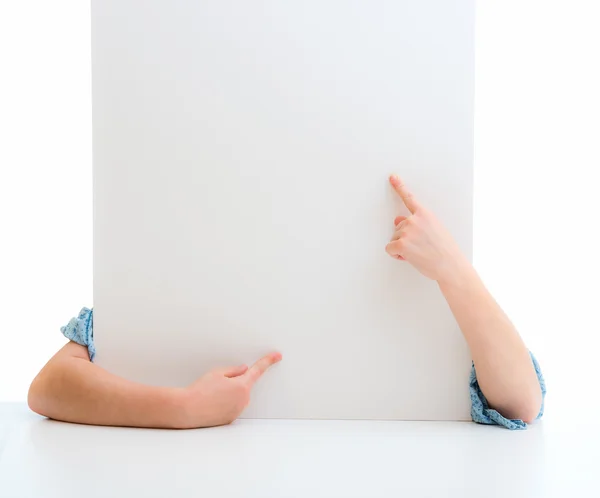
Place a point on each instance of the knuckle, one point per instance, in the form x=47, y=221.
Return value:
x=243, y=400
x=394, y=247
x=244, y=391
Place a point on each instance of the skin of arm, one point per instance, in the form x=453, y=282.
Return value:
x=73, y=389
x=505, y=372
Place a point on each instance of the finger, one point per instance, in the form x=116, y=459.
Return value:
x=232, y=372
x=399, y=219
x=401, y=228
x=407, y=196
x=397, y=234
x=395, y=248
x=256, y=371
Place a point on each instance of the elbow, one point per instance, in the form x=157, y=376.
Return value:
x=43, y=390
x=35, y=396
x=532, y=412
x=527, y=409
x=528, y=415
x=522, y=403
x=48, y=387
x=532, y=405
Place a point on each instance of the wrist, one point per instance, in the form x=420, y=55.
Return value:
x=460, y=274
x=177, y=413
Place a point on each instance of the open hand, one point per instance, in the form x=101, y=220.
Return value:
x=220, y=396
x=423, y=241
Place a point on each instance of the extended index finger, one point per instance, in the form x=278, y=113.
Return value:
x=407, y=197
x=256, y=371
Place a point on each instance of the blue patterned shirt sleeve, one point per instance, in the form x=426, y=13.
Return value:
x=81, y=330
x=483, y=414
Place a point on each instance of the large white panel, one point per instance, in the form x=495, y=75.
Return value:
x=241, y=155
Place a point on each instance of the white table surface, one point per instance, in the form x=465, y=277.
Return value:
x=252, y=458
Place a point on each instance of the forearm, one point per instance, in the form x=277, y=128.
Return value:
x=505, y=372
x=72, y=389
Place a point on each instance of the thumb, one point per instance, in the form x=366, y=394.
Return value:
x=231, y=372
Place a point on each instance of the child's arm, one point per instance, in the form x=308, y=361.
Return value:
x=505, y=371
x=73, y=389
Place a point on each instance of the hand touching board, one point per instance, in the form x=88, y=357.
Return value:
x=422, y=240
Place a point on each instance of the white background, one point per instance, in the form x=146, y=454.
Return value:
x=536, y=189
x=305, y=144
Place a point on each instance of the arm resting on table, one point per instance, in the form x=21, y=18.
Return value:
x=73, y=389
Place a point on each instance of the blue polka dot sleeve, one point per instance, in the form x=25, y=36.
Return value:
x=81, y=330
x=483, y=414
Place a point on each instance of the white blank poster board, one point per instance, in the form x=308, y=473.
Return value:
x=241, y=156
